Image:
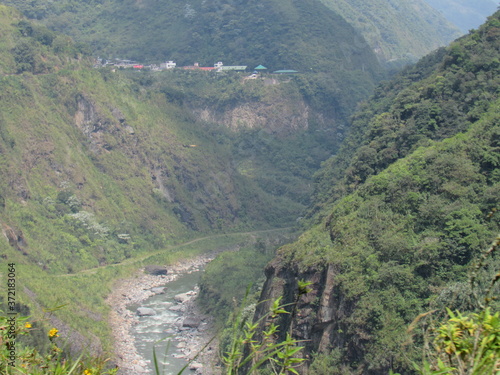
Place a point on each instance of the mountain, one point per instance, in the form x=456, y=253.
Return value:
x=399, y=32
x=300, y=35
x=401, y=213
x=103, y=170
x=465, y=14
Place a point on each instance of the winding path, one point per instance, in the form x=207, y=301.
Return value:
x=172, y=247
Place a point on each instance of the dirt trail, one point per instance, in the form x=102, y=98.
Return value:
x=170, y=248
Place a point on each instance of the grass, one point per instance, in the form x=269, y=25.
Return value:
x=83, y=293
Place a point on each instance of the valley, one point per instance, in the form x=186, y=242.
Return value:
x=341, y=204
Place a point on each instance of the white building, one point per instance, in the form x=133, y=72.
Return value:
x=168, y=65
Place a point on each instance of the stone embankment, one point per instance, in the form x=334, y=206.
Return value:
x=193, y=330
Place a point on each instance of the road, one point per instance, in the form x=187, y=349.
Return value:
x=172, y=248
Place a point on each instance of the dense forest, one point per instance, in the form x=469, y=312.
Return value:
x=401, y=213
x=390, y=29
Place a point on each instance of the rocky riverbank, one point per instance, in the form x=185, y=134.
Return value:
x=192, y=329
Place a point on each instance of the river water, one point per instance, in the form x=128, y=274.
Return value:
x=161, y=330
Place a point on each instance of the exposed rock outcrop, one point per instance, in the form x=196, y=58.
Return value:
x=318, y=316
x=279, y=115
x=15, y=238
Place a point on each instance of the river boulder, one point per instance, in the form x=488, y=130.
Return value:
x=191, y=322
x=177, y=308
x=155, y=270
x=184, y=297
x=195, y=366
x=145, y=311
x=158, y=290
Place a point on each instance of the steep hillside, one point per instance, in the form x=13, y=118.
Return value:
x=440, y=96
x=399, y=32
x=300, y=35
x=406, y=216
x=248, y=32
x=277, y=130
x=99, y=169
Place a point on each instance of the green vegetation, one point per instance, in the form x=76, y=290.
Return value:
x=401, y=211
x=467, y=345
x=98, y=168
x=103, y=172
x=307, y=36
x=227, y=277
x=17, y=357
x=253, y=345
x=95, y=174
x=440, y=96
x=277, y=134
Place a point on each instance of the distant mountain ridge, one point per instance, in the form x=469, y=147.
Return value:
x=398, y=31
x=465, y=14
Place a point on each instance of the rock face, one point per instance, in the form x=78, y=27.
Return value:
x=279, y=115
x=319, y=313
x=15, y=238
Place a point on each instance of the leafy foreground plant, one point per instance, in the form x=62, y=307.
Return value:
x=467, y=344
x=252, y=348
x=16, y=358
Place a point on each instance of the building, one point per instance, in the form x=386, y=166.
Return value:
x=285, y=71
x=168, y=65
x=197, y=66
x=237, y=68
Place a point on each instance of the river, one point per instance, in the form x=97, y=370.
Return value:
x=134, y=336
x=162, y=330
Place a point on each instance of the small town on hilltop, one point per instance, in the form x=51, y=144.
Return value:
x=218, y=67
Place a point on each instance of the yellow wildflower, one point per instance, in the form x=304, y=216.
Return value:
x=53, y=332
x=27, y=325
x=87, y=372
